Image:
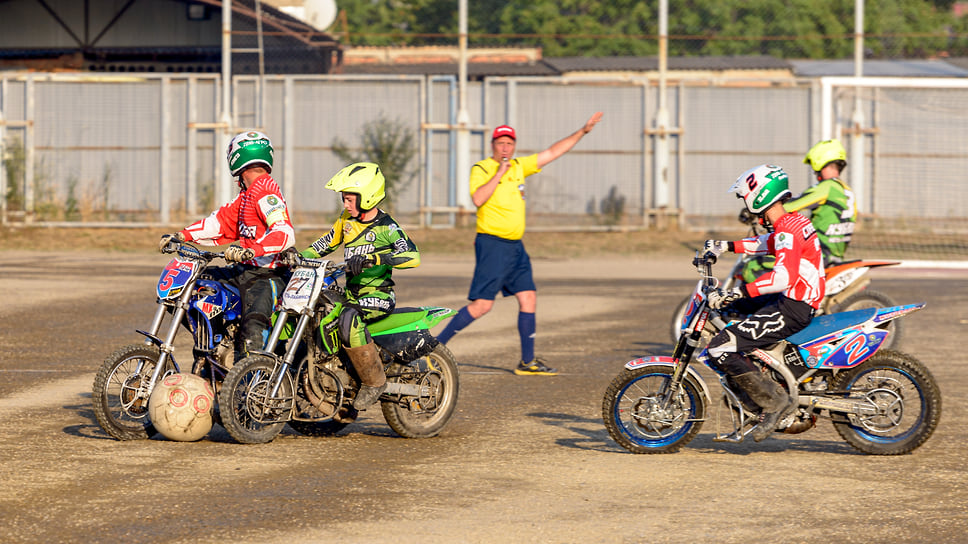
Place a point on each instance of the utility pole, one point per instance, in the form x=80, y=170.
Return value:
x=223, y=184
x=661, y=173
x=463, y=162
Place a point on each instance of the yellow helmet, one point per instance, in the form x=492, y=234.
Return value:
x=364, y=179
x=824, y=153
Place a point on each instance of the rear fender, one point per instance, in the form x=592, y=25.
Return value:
x=410, y=319
x=666, y=361
x=894, y=312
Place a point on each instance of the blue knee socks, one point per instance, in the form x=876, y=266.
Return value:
x=526, y=328
x=458, y=322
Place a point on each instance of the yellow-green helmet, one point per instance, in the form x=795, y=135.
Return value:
x=824, y=153
x=364, y=179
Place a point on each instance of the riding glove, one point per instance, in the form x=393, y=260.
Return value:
x=715, y=247
x=168, y=238
x=289, y=257
x=239, y=254
x=357, y=263
x=720, y=298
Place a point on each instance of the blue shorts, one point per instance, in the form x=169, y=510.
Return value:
x=502, y=265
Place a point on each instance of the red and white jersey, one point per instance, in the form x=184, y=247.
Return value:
x=798, y=272
x=258, y=218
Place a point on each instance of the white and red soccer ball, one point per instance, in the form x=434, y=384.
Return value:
x=180, y=407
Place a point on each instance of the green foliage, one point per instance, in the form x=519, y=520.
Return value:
x=14, y=160
x=72, y=209
x=780, y=28
x=390, y=143
x=611, y=209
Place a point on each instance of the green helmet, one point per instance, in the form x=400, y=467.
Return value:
x=248, y=149
x=824, y=153
x=364, y=179
x=761, y=187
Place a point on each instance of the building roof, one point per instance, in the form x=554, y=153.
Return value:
x=651, y=64
x=475, y=70
x=289, y=45
x=879, y=68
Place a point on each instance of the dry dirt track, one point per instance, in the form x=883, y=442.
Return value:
x=526, y=459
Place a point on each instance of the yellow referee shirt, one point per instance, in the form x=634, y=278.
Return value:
x=503, y=214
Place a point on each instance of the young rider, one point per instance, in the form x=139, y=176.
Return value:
x=258, y=220
x=374, y=244
x=833, y=210
x=830, y=205
x=782, y=301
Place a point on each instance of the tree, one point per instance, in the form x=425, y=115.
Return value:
x=781, y=28
x=392, y=145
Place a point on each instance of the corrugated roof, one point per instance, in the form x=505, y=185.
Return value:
x=878, y=68
x=651, y=64
x=960, y=62
x=474, y=69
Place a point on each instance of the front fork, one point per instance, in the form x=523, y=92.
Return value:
x=283, y=366
x=166, y=346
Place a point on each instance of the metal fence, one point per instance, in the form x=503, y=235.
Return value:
x=146, y=149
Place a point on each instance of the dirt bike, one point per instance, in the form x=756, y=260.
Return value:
x=881, y=402
x=847, y=289
x=312, y=385
x=208, y=309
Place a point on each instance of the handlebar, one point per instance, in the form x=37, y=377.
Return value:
x=336, y=269
x=184, y=249
x=704, y=265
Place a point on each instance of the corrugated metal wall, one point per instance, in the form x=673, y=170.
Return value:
x=144, y=148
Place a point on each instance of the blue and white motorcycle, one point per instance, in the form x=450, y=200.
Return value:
x=210, y=310
x=881, y=402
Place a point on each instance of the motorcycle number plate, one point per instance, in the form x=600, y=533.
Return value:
x=174, y=277
x=299, y=289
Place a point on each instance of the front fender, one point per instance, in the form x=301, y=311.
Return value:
x=666, y=361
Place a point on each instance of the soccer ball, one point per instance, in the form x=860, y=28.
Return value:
x=180, y=407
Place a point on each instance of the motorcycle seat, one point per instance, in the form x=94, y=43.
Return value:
x=830, y=323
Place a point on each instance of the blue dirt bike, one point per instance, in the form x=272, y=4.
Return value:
x=208, y=309
x=881, y=402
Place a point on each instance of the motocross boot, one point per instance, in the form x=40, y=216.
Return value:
x=373, y=381
x=771, y=398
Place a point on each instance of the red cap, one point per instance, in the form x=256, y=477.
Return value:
x=503, y=130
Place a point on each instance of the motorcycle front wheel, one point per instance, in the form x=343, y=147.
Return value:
x=250, y=414
x=120, y=405
x=904, y=404
x=642, y=418
x=869, y=298
x=424, y=415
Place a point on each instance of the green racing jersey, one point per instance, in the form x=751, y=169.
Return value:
x=833, y=213
x=382, y=236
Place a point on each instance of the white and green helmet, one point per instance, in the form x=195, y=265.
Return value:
x=248, y=149
x=761, y=187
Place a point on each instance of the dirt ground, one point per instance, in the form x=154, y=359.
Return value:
x=525, y=459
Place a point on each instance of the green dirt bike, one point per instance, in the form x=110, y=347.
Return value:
x=311, y=386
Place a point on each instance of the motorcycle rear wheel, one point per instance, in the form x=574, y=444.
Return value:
x=118, y=407
x=907, y=398
x=677, y=315
x=248, y=415
x=870, y=298
x=424, y=416
x=637, y=419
